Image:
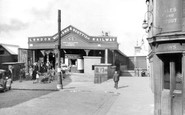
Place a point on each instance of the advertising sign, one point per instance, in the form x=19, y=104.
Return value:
x=169, y=15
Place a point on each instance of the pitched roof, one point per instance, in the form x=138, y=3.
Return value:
x=12, y=49
x=65, y=31
x=72, y=37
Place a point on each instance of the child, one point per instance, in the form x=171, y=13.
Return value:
x=116, y=79
x=37, y=78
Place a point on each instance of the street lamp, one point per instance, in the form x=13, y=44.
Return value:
x=145, y=24
x=59, y=83
x=148, y=22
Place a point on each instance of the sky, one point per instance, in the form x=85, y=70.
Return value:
x=20, y=19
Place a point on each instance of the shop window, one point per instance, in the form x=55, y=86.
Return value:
x=176, y=59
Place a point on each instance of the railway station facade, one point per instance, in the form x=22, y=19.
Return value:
x=78, y=50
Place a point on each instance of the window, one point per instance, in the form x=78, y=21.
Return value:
x=2, y=52
x=175, y=71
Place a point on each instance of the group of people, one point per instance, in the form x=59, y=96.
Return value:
x=47, y=73
x=41, y=73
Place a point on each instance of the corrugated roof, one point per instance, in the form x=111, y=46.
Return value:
x=12, y=49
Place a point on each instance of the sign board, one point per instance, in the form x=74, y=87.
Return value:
x=101, y=70
x=169, y=15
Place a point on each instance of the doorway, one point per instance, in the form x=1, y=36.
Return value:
x=73, y=65
x=172, y=83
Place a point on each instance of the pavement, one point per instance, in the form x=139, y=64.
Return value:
x=81, y=96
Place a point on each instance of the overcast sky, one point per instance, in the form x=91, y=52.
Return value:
x=20, y=19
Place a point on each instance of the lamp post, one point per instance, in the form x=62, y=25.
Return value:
x=59, y=84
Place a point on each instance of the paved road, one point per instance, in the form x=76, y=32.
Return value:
x=81, y=97
x=14, y=97
x=71, y=100
x=26, y=90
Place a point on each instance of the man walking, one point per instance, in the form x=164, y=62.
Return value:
x=116, y=74
x=116, y=79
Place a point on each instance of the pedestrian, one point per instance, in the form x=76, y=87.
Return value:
x=31, y=72
x=116, y=79
x=37, y=77
x=35, y=69
x=9, y=72
x=21, y=74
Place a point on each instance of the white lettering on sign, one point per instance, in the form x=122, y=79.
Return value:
x=67, y=30
x=80, y=33
x=70, y=43
x=174, y=20
x=170, y=15
x=103, y=39
x=173, y=47
x=71, y=38
x=171, y=10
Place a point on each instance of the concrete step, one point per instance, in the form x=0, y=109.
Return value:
x=128, y=73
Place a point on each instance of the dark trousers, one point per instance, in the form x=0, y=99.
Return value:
x=116, y=85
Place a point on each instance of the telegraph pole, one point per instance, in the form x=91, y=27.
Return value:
x=59, y=84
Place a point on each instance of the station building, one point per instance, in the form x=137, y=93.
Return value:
x=78, y=50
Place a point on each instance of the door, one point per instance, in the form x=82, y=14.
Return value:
x=175, y=90
x=74, y=65
x=171, y=99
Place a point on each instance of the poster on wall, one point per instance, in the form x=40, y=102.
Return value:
x=80, y=64
x=169, y=15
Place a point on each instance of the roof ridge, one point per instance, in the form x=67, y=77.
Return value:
x=10, y=45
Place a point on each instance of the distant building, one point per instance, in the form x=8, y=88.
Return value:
x=137, y=62
x=8, y=53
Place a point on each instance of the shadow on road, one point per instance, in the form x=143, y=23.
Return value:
x=122, y=87
x=36, y=89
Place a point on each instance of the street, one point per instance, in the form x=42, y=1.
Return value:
x=26, y=90
x=14, y=97
x=80, y=96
